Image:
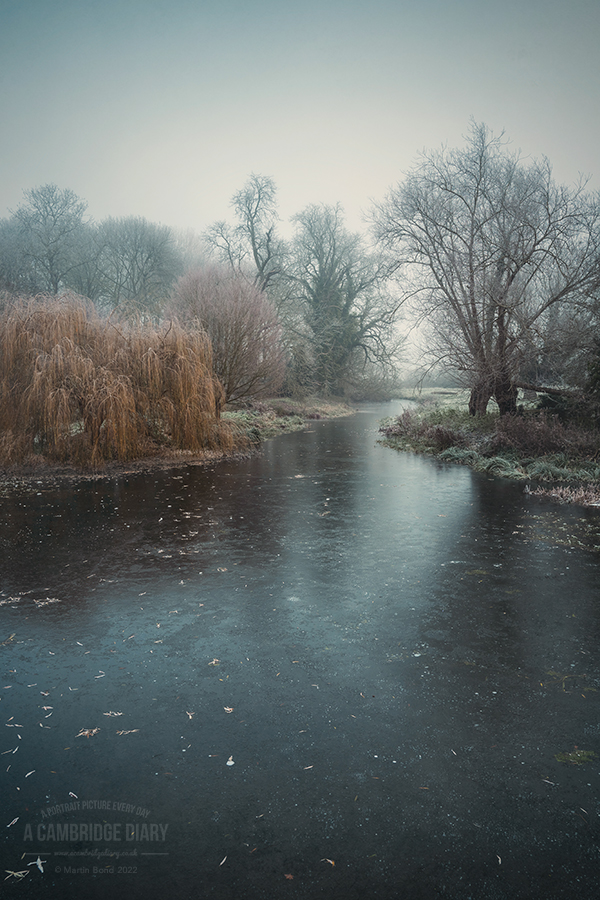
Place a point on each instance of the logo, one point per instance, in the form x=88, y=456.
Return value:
x=84, y=837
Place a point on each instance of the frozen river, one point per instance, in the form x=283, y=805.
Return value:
x=328, y=671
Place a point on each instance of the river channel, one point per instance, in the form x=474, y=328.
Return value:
x=327, y=671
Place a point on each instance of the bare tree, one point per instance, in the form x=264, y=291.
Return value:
x=242, y=325
x=340, y=289
x=139, y=263
x=50, y=224
x=487, y=246
x=251, y=245
x=16, y=273
x=87, y=278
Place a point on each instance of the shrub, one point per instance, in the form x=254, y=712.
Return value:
x=440, y=437
x=403, y=425
x=537, y=434
x=76, y=388
x=242, y=325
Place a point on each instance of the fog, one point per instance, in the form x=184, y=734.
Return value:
x=162, y=110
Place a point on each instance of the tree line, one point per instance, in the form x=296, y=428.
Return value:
x=495, y=265
x=314, y=314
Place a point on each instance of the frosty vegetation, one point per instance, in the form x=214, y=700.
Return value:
x=124, y=335
x=76, y=388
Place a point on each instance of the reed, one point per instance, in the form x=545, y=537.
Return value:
x=78, y=388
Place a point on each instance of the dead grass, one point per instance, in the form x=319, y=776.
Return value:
x=584, y=495
x=80, y=390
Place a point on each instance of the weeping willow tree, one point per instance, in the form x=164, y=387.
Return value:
x=76, y=388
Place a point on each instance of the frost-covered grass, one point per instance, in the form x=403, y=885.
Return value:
x=264, y=419
x=534, y=447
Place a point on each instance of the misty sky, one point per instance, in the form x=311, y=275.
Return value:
x=162, y=108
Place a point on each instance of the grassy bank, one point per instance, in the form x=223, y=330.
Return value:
x=264, y=419
x=558, y=459
x=250, y=426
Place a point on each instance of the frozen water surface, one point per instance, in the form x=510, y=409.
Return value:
x=330, y=661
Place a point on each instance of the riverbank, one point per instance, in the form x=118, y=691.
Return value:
x=254, y=423
x=558, y=460
x=261, y=420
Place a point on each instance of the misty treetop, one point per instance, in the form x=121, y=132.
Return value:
x=314, y=313
x=242, y=325
x=48, y=246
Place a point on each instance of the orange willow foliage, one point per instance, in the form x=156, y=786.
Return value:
x=74, y=387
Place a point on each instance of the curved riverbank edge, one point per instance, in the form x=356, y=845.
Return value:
x=570, y=473
x=255, y=422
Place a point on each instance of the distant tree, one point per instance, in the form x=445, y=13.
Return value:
x=139, y=263
x=87, y=278
x=16, y=273
x=328, y=289
x=48, y=226
x=241, y=324
x=340, y=289
x=190, y=247
x=252, y=245
x=487, y=248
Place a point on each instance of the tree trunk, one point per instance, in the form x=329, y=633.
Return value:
x=479, y=399
x=505, y=395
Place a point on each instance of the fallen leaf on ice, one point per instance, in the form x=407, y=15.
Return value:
x=230, y=761
x=88, y=732
x=17, y=875
x=228, y=709
x=37, y=862
x=330, y=861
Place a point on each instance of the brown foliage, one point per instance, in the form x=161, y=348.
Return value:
x=539, y=434
x=242, y=325
x=76, y=388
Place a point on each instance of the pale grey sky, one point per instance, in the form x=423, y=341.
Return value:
x=162, y=108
